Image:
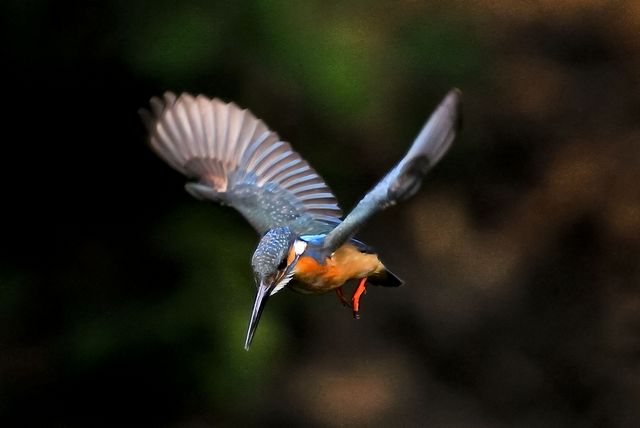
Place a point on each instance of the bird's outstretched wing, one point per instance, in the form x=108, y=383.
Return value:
x=238, y=161
x=405, y=179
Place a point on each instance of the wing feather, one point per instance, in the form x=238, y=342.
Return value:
x=404, y=180
x=273, y=164
x=237, y=160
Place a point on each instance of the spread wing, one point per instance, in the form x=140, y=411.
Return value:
x=405, y=179
x=236, y=160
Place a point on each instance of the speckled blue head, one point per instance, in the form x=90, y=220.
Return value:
x=269, y=263
x=272, y=250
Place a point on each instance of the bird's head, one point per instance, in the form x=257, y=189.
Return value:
x=273, y=266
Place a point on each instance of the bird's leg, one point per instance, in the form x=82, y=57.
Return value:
x=355, y=300
x=343, y=300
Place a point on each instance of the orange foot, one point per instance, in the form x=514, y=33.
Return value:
x=360, y=290
x=343, y=300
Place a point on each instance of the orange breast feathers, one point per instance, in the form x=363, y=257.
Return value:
x=345, y=264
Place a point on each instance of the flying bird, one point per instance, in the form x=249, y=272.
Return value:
x=234, y=159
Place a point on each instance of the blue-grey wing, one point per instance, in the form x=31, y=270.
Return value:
x=236, y=160
x=404, y=180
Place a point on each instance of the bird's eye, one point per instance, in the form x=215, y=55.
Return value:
x=283, y=264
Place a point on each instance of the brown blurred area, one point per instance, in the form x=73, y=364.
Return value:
x=520, y=255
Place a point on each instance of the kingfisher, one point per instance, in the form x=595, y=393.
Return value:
x=234, y=159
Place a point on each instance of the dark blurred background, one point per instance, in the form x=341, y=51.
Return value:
x=124, y=302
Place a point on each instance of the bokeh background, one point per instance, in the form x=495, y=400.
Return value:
x=124, y=302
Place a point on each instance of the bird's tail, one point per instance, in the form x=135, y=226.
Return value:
x=386, y=278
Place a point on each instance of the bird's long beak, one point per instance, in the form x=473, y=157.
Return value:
x=262, y=294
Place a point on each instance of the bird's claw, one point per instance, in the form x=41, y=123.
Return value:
x=343, y=300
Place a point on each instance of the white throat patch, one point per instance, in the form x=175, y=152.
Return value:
x=284, y=281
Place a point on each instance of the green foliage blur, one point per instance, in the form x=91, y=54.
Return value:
x=124, y=302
